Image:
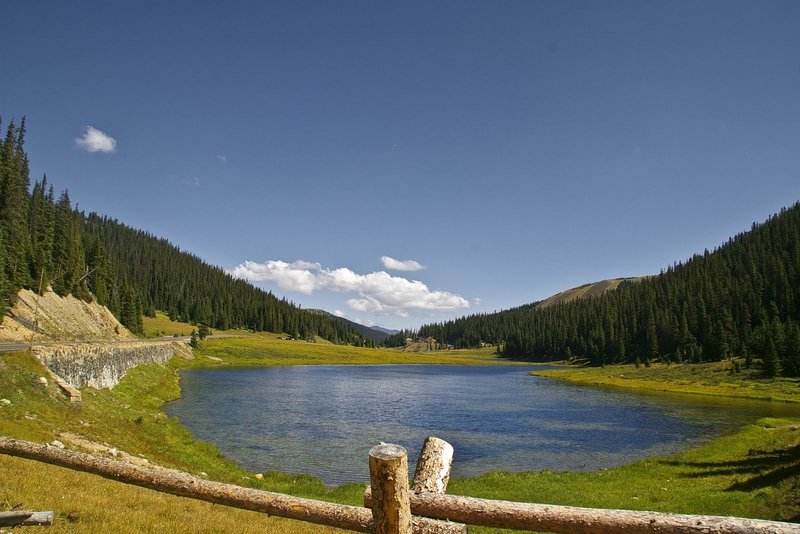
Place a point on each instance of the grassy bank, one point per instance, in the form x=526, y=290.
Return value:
x=267, y=350
x=713, y=379
x=753, y=474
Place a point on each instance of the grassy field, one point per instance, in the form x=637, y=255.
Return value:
x=753, y=473
x=160, y=326
x=714, y=379
x=266, y=350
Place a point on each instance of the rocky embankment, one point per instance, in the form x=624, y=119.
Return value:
x=102, y=365
x=81, y=343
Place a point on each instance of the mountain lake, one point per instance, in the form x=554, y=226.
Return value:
x=322, y=420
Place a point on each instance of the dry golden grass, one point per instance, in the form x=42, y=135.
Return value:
x=105, y=506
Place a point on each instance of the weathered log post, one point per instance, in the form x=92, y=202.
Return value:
x=433, y=473
x=433, y=467
x=388, y=473
x=431, y=476
x=19, y=518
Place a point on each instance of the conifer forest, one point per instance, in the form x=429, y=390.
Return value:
x=46, y=242
x=741, y=300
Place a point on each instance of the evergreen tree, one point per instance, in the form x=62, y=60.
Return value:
x=62, y=245
x=772, y=366
x=42, y=231
x=203, y=331
x=97, y=265
x=14, y=209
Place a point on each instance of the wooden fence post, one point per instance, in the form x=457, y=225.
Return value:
x=388, y=473
x=433, y=467
x=431, y=476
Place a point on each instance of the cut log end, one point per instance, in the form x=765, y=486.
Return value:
x=388, y=452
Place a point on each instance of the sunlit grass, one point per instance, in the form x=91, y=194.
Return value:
x=753, y=473
x=715, y=379
x=267, y=349
x=160, y=325
x=105, y=506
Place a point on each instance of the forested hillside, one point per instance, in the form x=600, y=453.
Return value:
x=741, y=300
x=45, y=242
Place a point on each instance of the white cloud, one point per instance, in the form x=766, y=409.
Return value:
x=401, y=265
x=95, y=140
x=339, y=313
x=295, y=276
x=379, y=292
x=222, y=159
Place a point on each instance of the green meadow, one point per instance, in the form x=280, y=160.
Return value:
x=753, y=473
x=728, y=378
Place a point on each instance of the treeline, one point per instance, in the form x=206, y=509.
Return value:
x=189, y=289
x=45, y=242
x=741, y=300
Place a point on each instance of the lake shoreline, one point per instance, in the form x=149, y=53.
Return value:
x=496, y=417
x=708, y=380
x=130, y=418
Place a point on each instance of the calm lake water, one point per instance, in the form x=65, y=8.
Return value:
x=323, y=420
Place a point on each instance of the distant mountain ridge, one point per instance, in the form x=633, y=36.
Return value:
x=387, y=331
x=374, y=333
x=593, y=289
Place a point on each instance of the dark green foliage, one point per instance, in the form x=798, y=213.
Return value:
x=50, y=243
x=772, y=366
x=203, y=332
x=130, y=313
x=193, y=340
x=190, y=290
x=737, y=301
x=14, y=201
x=42, y=231
x=97, y=275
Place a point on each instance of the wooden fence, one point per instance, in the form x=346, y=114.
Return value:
x=391, y=506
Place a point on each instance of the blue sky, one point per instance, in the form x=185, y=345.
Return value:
x=512, y=149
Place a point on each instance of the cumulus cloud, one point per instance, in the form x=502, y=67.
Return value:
x=95, y=140
x=401, y=265
x=222, y=159
x=378, y=292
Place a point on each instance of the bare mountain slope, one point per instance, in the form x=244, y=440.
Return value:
x=585, y=291
x=59, y=319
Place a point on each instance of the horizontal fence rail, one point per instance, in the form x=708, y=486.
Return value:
x=24, y=518
x=183, y=484
x=433, y=511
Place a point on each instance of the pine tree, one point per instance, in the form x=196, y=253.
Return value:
x=772, y=365
x=42, y=230
x=97, y=265
x=14, y=202
x=62, y=241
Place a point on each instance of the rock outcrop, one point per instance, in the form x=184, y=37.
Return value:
x=102, y=365
x=50, y=317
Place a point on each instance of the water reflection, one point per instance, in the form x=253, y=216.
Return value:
x=322, y=420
